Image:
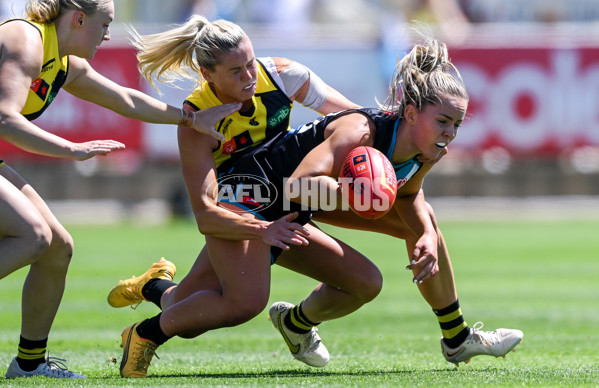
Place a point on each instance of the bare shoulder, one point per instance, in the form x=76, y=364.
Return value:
x=355, y=121
x=78, y=67
x=21, y=44
x=352, y=127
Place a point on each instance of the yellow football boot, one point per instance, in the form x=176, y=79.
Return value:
x=128, y=292
x=137, y=353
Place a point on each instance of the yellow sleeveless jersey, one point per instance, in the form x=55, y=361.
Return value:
x=52, y=74
x=269, y=117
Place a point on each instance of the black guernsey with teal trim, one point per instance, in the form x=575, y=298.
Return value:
x=270, y=163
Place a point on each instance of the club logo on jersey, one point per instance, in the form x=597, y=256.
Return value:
x=41, y=88
x=239, y=142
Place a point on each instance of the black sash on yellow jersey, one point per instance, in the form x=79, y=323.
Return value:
x=52, y=74
x=269, y=117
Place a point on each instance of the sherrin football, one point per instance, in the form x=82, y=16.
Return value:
x=368, y=182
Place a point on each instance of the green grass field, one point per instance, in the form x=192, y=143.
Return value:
x=540, y=277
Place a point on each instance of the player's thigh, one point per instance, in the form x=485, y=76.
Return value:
x=242, y=268
x=201, y=276
x=331, y=261
x=19, y=216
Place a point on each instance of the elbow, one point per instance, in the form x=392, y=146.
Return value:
x=8, y=120
x=205, y=226
x=202, y=213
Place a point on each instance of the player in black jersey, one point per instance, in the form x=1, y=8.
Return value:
x=426, y=105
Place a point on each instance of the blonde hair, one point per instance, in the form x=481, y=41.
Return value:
x=47, y=11
x=182, y=50
x=422, y=76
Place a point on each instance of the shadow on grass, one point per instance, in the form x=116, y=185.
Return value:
x=300, y=374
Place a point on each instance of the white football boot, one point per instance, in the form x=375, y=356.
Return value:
x=496, y=343
x=307, y=347
x=53, y=367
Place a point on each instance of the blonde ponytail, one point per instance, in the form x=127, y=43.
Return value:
x=180, y=52
x=422, y=76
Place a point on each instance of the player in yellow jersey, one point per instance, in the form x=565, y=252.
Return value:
x=222, y=57
x=39, y=55
x=229, y=282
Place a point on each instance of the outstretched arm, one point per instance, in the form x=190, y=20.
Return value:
x=84, y=82
x=21, y=55
x=422, y=248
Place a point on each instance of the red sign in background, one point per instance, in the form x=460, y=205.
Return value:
x=77, y=120
x=531, y=101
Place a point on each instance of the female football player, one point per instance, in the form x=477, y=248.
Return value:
x=229, y=282
x=38, y=56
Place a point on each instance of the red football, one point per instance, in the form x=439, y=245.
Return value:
x=368, y=182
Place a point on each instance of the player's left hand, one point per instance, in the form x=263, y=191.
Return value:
x=424, y=261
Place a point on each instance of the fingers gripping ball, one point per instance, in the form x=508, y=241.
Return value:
x=368, y=182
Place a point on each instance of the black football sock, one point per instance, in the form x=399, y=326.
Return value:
x=154, y=289
x=453, y=327
x=150, y=330
x=31, y=354
x=297, y=322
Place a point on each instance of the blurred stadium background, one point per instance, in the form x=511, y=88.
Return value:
x=530, y=142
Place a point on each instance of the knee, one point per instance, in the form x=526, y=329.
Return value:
x=60, y=251
x=244, y=310
x=369, y=284
x=36, y=242
x=64, y=246
x=373, y=285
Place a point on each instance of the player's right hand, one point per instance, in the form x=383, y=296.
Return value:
x=89, y=149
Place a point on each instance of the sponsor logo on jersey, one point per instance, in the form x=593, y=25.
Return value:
x=229, y=147
x=48, y=65
x=239, y=142
x=280, y=116
x=226, y=126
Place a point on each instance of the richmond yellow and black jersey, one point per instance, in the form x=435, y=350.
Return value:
x=269, y=117
x=52, y=74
